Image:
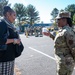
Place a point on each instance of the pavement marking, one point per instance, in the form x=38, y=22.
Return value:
x=42, y=53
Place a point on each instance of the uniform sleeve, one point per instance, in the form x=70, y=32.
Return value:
x=3, y=33
x=70, y=39
x=52, y=36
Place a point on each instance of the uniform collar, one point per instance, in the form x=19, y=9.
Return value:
x=66, y=26
x=61, y=28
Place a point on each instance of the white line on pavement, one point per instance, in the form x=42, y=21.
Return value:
x=41, y=53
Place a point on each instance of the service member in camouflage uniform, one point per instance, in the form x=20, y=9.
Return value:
x=64, y=45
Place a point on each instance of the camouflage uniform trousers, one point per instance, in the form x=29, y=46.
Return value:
x=65, y=65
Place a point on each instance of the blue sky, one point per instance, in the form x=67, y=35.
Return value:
x=45, y=7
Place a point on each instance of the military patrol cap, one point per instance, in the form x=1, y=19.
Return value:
x=64, y=14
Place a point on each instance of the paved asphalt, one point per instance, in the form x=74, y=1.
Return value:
x=37, y=57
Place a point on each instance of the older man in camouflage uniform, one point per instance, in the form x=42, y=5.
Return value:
x=64, y=45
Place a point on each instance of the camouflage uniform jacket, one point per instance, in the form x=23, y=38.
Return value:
x=65, y=42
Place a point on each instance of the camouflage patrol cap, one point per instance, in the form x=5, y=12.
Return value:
x=64, y=14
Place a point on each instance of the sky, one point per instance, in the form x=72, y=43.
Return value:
x=45, y=7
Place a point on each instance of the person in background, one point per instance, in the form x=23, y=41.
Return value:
x=7, y=57
x=64, y=44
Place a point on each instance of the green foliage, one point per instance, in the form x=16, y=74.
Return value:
x=2, y=4
x=54, y=13
x=73, y=19
x=61, y=10
x=20, y=11
x=32, y=14
x=71, y=8
x=27, y=14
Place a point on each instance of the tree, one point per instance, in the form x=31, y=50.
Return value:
x=73, y=19
x=20, y=12
x=54, y=13
x=2, y=4
x=32, y=14
x=71, y=8
x=61, y=10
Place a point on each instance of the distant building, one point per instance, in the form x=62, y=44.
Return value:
x=40, y=24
